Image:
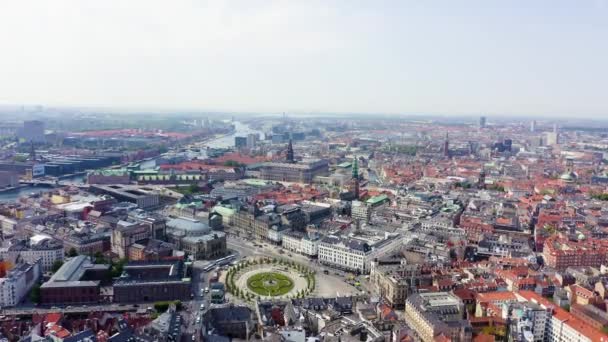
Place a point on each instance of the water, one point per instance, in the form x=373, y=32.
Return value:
x=15, y=194
x=222, y=142
x=241, y=130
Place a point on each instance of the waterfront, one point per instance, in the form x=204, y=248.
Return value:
x=240, y=129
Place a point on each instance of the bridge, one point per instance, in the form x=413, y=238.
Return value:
x=52, y=183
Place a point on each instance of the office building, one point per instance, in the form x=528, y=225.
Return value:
x=482, y=122
x=240, y=142
x=551, y=138
x=252, y=140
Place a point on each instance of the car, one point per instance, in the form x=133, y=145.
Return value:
x=202, y=307
x=194, y=337
x=206, y=290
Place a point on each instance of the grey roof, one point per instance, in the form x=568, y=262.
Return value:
x=229, y=314
x=189, y=226
x=72, y=271
x=83, y=336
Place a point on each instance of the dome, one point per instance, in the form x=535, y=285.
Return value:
x=568, y=176
x=189, y=227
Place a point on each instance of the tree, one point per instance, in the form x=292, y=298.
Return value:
x=116, y=268
x=99, y=258
x=56, y=266
x=72, y=252
x=35, y=293
x=161, y=306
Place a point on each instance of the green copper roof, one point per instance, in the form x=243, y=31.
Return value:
x=255, y=182
x=377, y=199
x=110, y=172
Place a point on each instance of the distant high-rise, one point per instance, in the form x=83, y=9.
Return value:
x=33, y=131
x=533, y=126
x=551, y=138
x=482, y=122
x=252, y=139
x=240, y=142
x=555, y=128
x=508, y=144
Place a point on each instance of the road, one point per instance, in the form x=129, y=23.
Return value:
x=335, y=278
x=192, y=309
x=74, y=309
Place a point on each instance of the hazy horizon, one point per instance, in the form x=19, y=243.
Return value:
x=440, y=58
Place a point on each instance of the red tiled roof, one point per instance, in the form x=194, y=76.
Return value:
x=575, y=323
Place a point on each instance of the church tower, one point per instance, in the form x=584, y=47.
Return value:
x=355, y=175
x=290, y=158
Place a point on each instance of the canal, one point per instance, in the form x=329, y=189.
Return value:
x=227, y=141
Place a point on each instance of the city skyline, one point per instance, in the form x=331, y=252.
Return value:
x=477, y=58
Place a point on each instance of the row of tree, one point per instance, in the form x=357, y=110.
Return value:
x=231, y=277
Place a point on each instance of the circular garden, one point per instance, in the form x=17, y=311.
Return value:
x=269, y=278
x=270, y=284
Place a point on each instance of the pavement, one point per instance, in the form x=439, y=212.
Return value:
x=327, y=285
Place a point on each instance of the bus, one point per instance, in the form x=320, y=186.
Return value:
x=219, y=262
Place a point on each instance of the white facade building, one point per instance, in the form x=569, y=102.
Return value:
x=306, y=244
x=355, y=253
x=559, y=324
x=47, y=249
x=18, y=282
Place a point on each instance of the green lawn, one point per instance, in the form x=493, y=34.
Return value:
x=270, y=284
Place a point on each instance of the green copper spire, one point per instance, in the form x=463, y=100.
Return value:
x=355, y=168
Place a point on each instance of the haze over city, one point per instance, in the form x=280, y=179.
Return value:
x=540, y=58
x=303, y=171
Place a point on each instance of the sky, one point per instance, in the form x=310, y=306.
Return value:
x=539, y=58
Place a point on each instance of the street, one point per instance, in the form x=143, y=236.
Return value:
x=328, y=285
